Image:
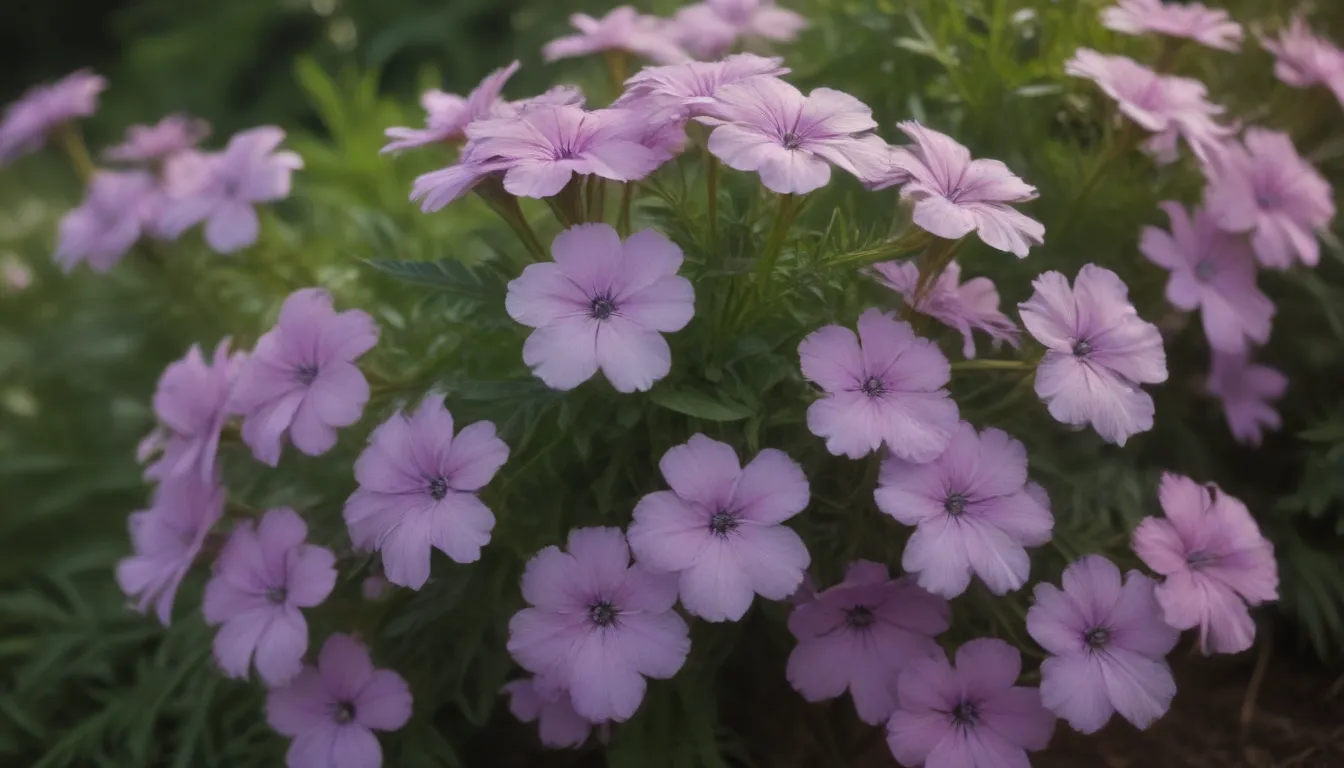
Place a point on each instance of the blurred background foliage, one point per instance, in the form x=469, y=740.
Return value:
x=83, y=682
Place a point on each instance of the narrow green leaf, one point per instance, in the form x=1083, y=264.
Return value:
x=700, y=405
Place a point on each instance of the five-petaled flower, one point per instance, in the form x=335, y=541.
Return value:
x=191, y=404
x=558, y=725
x=118, y=207
x=43, y=108
x=1247, y=392
x=165, y=540
x=623, y=29
x=972, y=305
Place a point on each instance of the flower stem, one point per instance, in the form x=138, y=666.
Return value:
x=590, y=205
x=506, y=207
x=992, y=365
x=789, y=206
x=902, y=247
x=1120, y=145
x=72, y=143
x=617, y=64
x=932, y=263
x=712, y=193
x=567, y=204
x=627, y=198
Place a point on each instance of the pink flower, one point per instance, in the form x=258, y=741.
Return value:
x=860, y=634
x=970, y=716
x=417, y=490
x=118, y=207
x=720, y=527
x=166, y=539
x=1304, y=60
x=885, y=386
x=622, y=29
x=332, y=711
x=263, y=576
x=221, y=189
x=702, y=32
x=148, y=143
x=599, y=625
x=1267, y=189
x=1214, y=272
x=449, y=114
x=955, y=195
x=301, y=378
x=1215, y=562
x=602, y=304
x=26, y=122
x=763, y=124
x=191, y=403
x=1206, y=26
x=962, y=306
x=759, y=18
x=532, y=700
x=973, y=509
x=1098, y=352
x=1247, y=392
x=689, y=88
x=1107, y=641
x=1166, y=105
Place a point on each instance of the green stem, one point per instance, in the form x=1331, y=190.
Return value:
x=902, y=247
x=712, y=193
x=789, y=205
x=72, y=143
x=506, y=207
x=992, y=365
x=627, y=198
x=932, y=263
x=590, y=185
x=567, y=204
x=1119, y=146
x=617, y=65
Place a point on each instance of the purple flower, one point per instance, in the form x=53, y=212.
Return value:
x=1247, y=392
x=860, y=634
x=702, y=32
x=763, y=124
x=970, y=716
x=962, y=306
x=759, y=18
x=263, y=576
x=973, y=509
x=118, y=207
x=1214, y=559
x=1194, y=21
x=1267, y=189
x=449, y=114
x=332, y=711
x=1107, y=641
x=689, y=88
x=165, y=540
x=26, y=122
x=302, y=379
x=149, y=143
x=532, y=700
x=1168, y=106
x=1098, y=351
x=221, y=189
x=885, y=386
x=720, y=527
x=598, y=625
x=602, y=304
x=1214, y=272
x=1304, y=60
x=191, y=403
x=417, y=489
x=437, y=189
x=955, y=195
x=622, y=29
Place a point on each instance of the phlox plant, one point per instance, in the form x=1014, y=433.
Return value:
x=740, y=377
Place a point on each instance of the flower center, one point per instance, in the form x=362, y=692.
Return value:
x=1096, y=638
x=966, y=713
x=602, y=613
x=722, y=523
x=305, y=374
x=859, y=617
x=955, y=504
x=1204, y=270
x=873, y=387
x=344, y=712
x=1082, y=348
x=438, y=488
x=792, y=140
x=602, y=308
x=1267, y=199
x=1198, y=559
x=277, y=595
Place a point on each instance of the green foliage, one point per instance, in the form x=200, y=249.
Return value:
x=85, y=682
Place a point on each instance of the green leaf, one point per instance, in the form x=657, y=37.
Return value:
x=700, y=405
x=449, y=276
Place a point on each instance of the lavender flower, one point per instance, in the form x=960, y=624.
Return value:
x=151, y=143
x=622, y=29
x=972, y=305
x=1304, y=60
x=449, y=114
x=688, y=89
x=1247, y=392
x=26, y=122
x=118, y=208
x=191, y=403
x=1207, y=26
x=166, y=538
x=558, y=725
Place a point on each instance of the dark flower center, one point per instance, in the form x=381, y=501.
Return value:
x=955, y=504
x=873, y=387
x=722, y=523
x=1267, y=199
x=1204, y=270
x=1198, y=559
x=344, y=712
x=1082, y=348
x=277, y=595
x=602, y=613
x=1097, y=637
x=305, y=374
x=438, y=488
x=966, y=713
x=792, y=140
x=602, y=308
x=859, y=617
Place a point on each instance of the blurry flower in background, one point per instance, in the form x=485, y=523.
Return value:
x=263, y=576
x=15, y=275
x=148, y=143
x=972, y=305
x=1247, y=392
x=222, y=188
x=447, y=114
x=710, y=29
x=165, y=540
x=688, y=89
x=118, y=207
x=1265, y=187
x=622, y=29
x=26, y=122
x=1212, y=271
x=860, y=634
x=955, y=195
x=1304, y=60
x=558, y=725
x=1098, y=352
x=1212, y=27
x=191, y=404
